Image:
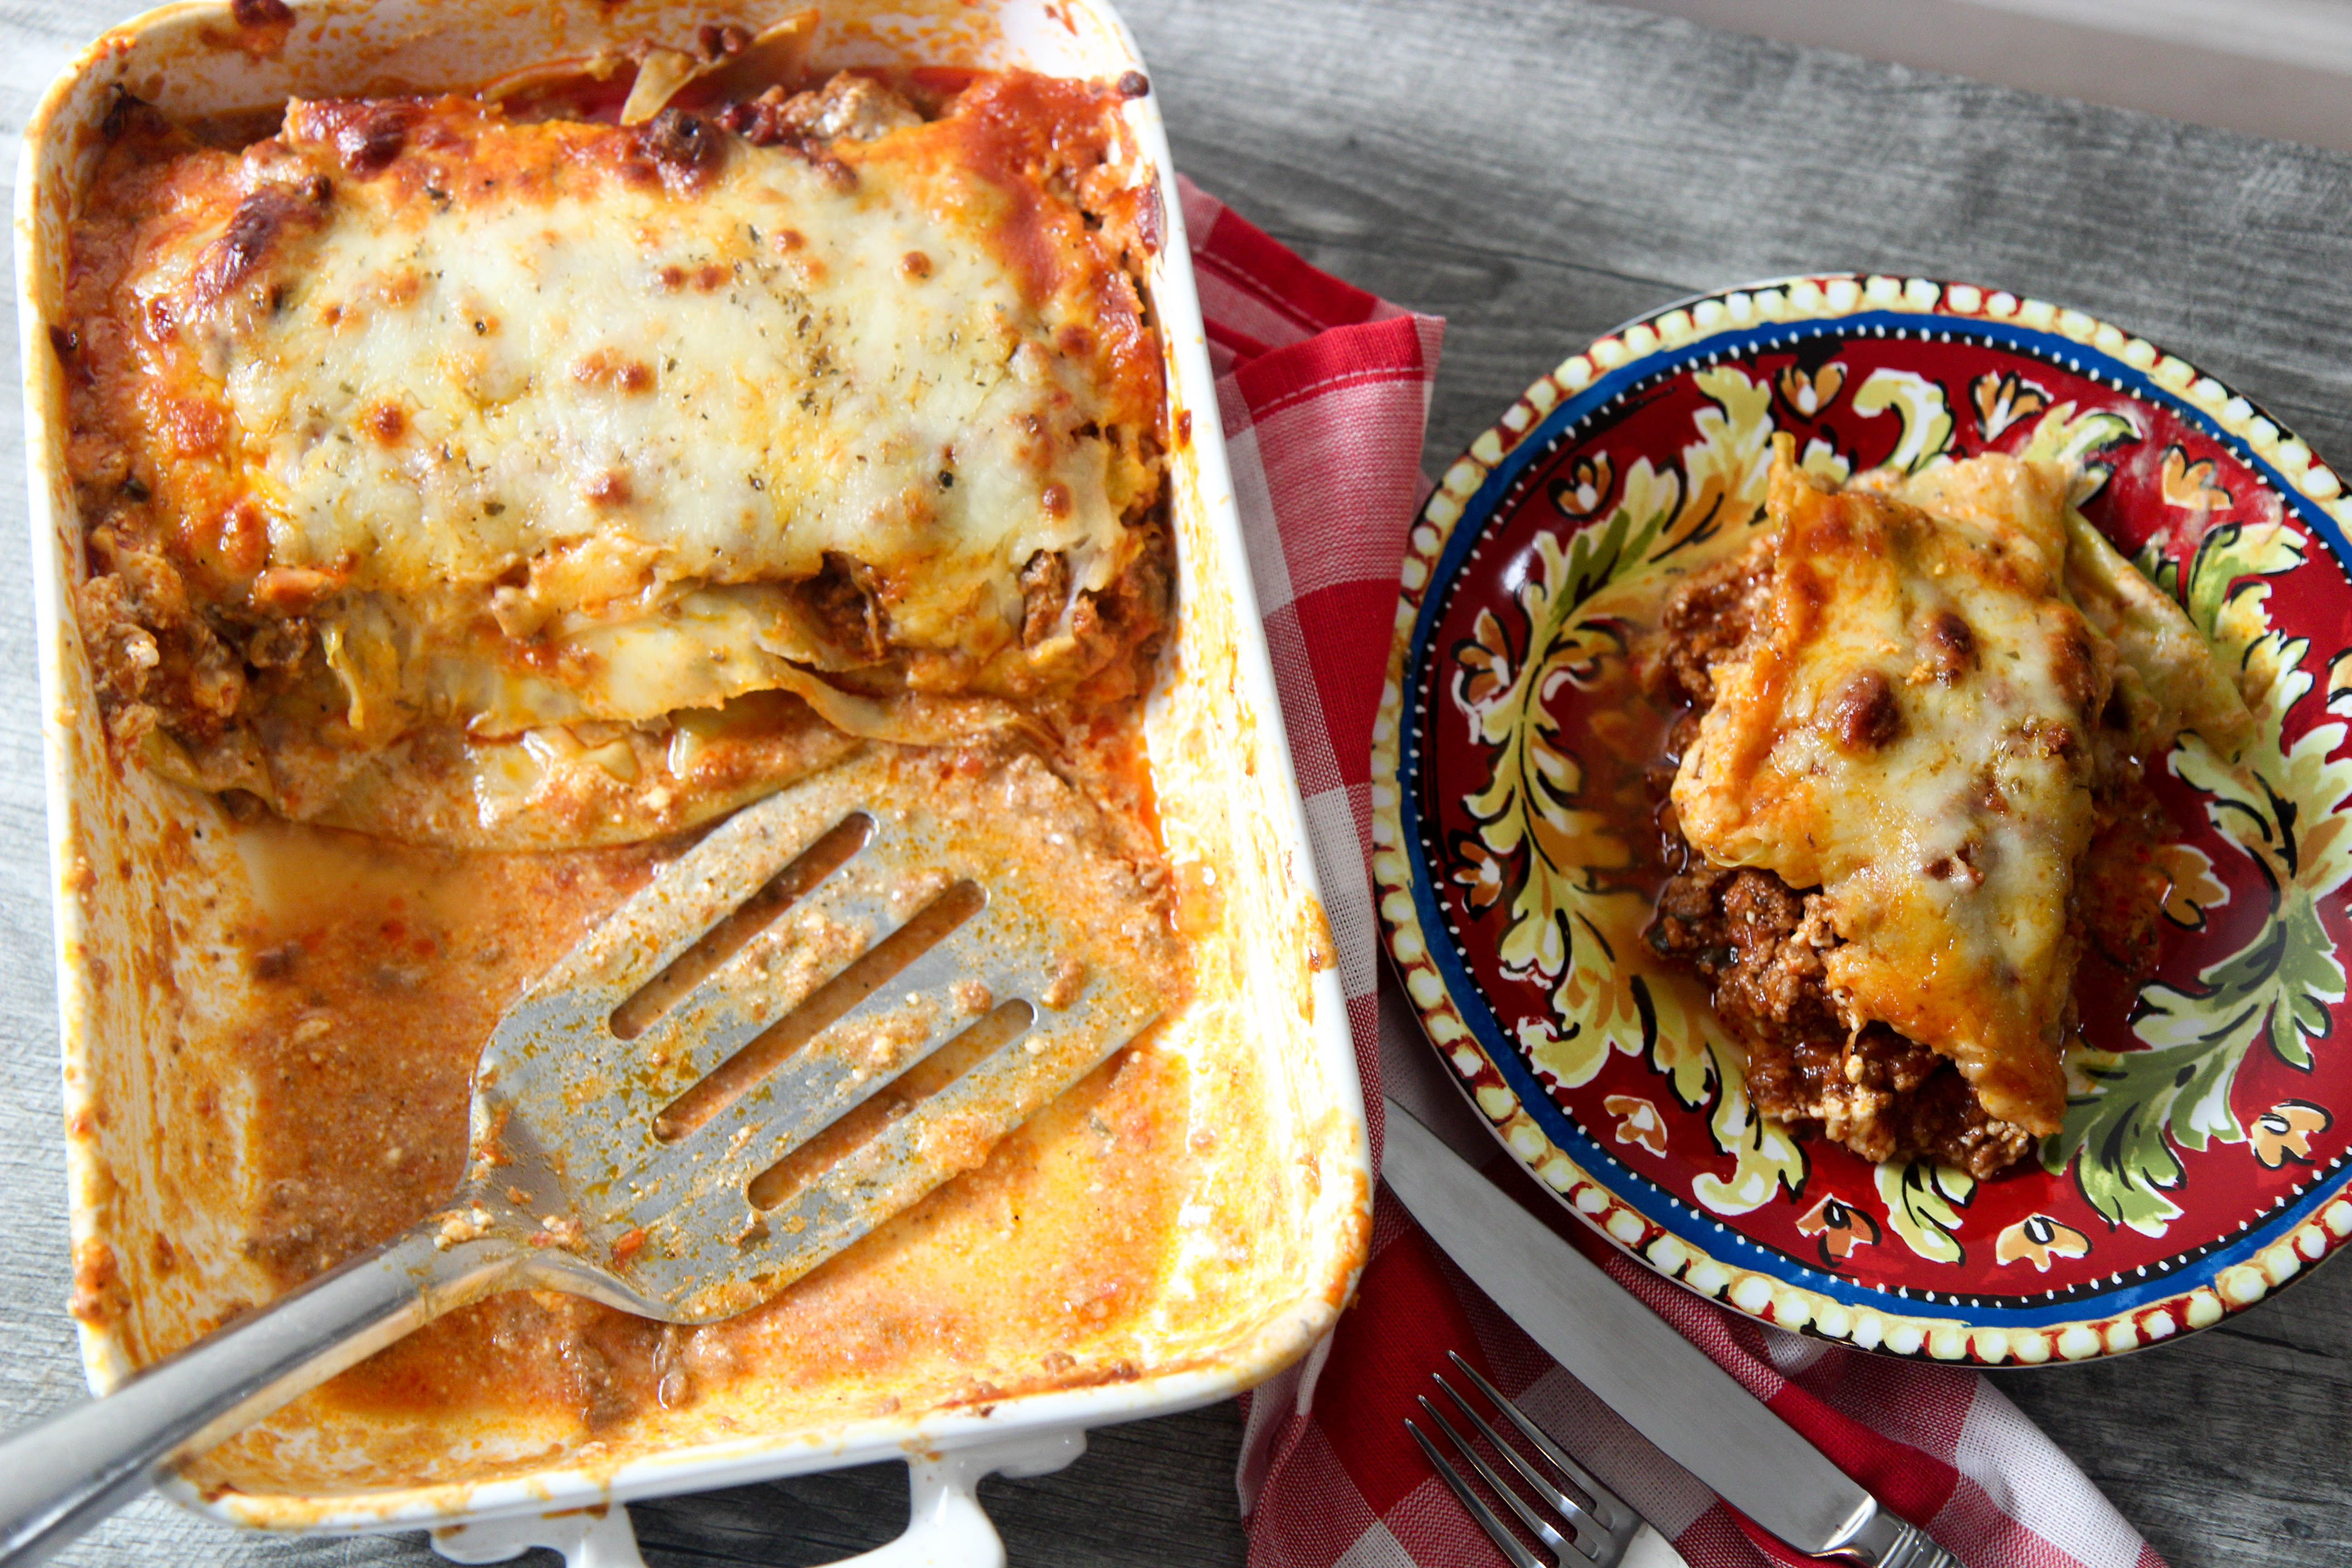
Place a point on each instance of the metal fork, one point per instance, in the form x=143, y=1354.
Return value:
x=1600, y=1526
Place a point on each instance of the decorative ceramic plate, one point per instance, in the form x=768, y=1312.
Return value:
x=2203, y=1159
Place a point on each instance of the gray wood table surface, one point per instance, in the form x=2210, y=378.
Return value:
x=1535, y=173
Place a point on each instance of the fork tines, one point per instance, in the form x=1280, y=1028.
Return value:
x=1597, y=1524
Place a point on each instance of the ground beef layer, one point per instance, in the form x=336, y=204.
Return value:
x=1759, y=948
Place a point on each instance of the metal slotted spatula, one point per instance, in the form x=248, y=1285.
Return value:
x=837, y=1000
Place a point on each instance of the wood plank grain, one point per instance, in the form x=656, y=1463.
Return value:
x=1571, y=163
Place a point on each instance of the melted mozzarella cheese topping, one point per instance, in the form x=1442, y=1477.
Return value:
x=1910, y=729
x=533, y=433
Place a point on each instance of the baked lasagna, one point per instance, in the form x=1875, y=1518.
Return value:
x=482, y=491
x=494, y=469
x=1907, y=795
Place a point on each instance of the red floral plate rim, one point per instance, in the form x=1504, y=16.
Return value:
x=2104, y=380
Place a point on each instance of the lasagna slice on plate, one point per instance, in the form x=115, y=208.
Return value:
x=1907, y=789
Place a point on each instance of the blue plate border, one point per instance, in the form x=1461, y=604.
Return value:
x=2124, y=1292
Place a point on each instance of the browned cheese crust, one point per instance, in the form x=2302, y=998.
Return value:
x=407, y=515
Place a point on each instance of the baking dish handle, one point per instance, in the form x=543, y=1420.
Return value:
x=946, y=1527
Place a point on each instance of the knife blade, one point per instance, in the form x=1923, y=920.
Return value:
x=1640, y=1367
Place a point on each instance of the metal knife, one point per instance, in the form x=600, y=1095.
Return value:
x=1667, y=1387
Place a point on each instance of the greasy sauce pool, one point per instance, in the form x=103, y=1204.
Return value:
x=378, y=970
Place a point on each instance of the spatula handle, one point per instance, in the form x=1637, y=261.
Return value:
x=62, y=1476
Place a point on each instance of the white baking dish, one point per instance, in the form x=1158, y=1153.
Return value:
x=144, y=868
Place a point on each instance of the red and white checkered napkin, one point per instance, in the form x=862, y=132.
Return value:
x=1325, y=391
